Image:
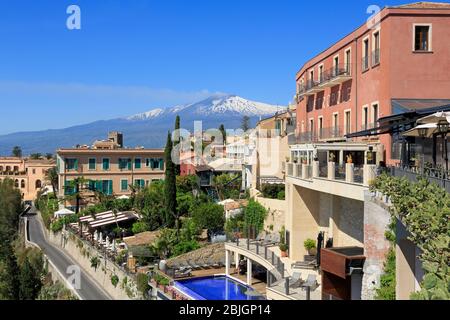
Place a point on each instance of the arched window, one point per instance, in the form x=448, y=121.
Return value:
x=1, y=168
x=22, y=184
x=8, y=169
x=16, y=169
x=16, y=183
x=38, y=184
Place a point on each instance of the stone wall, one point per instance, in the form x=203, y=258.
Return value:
x=376, y=221
x=82, y=252
x=276, y=217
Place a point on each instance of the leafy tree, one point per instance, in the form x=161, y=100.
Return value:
x=228, y=186
x=254, y=216
x=245, y=124
x=187, y=184
x=209, y=216
x=170, y=191
x=30, y=281
x=139, y=227
x=17, y=152
x=49, y=156
x=151, y=203
x=36, y=156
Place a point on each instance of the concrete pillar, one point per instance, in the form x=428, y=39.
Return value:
x=295, y=170
x=331, y=170
x=341, y=157
x=315, y=169
x=304, y=171
x=249, y=272
x=236, y=260
x=227, y=262
x=350, y=172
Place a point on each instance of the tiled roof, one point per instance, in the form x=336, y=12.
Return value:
x=425, y=5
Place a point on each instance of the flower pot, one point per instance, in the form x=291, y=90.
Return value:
x=312, y=252
x=284, y=254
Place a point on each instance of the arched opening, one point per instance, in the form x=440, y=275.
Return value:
x=22, y=184
x=16, y=169
x=1, y=168
x=8, y=169
x=16, y=183
x=38, y=184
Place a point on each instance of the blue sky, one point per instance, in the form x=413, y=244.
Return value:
x=134, y=55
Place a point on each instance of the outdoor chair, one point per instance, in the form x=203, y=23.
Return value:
x=194, y=265
x=183, y=274
x=260, y=238
x=311, y=282
x=296, y=280
x=214, y=264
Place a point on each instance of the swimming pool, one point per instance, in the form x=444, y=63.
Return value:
x=217, y=288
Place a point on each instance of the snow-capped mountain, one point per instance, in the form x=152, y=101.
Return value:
x=148, y=129
x=214, y=105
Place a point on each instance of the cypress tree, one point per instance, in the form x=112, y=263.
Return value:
x=30, y=282
x=224, y=133
x=170, y=187
x=177, y=140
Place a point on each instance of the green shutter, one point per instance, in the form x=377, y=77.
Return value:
x=75, y=165
x=161, y=164
x=129, y=164
x=110, y=187
x=137, y=163
x=105, y=164
x=124, y=185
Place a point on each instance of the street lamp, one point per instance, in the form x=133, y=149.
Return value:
x=423, y=132
x=443, y=126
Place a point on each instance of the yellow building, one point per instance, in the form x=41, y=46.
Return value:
x=28, y=175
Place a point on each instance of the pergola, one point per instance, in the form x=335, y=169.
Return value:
x=108, y=218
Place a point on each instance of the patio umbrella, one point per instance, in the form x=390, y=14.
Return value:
x=113, y=246
x=425, y=130
x=435, y=118
x=107, y=242
x=100, y=238
x=95, y=235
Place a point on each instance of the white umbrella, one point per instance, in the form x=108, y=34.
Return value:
x=95, y=235
x=113, y=246
x=100, y=238
x=107, y=242
x=435, y=118
x=124, y=197
x=428, y=128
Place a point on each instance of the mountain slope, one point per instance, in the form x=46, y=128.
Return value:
x=148, y=129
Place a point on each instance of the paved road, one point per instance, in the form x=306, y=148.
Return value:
x=90, y=290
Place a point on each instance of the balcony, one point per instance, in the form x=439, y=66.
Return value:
x=437, y=176
x=330, y=177
x=312, y=87
x=335, y=76
x=331, y=134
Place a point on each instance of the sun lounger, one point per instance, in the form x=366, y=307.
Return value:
x=311, y=282
x=194, y=265
x=183, y=274
x=296, y=280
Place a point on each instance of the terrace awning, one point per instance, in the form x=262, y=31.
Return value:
x=108, y=218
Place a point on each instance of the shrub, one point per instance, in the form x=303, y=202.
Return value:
x=142, y=284
x=114, y=280
x=272, y=191
x=281, y=195
x=95, y=262
x=310, y=244
x=254, y=216
x=185, y=247
x=139, y=227
x=209, y=216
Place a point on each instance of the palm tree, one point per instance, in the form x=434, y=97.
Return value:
x=52, y=177
x=17, y=152
x=78, y=185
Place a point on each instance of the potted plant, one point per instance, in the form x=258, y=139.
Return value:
x=283, y=246
x=310, y=246
x=304, y=160
x=332, y=157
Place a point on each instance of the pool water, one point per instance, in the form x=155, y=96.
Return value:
x=216, y=288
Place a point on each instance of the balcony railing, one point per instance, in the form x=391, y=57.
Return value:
x=437, y=176
x=331, y=77
x=375, y=57
x=365, y=63
x=347, y=173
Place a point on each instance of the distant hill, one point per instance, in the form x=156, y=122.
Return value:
x=148, y=129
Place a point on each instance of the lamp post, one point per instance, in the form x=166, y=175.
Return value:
x=443, y=127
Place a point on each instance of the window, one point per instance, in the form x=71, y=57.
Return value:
x=348, y=60
x=336, y=66
x=321, y=73
x=375, y=113
x=140, y=183
x=22, y=184
x=33, y=171
x=124, y=164
x=376, y=51
x=92, y=163
x=365, y=118
x=347, y=122
x=38, y=184
x=365, y=61
x=137, y=163
x=422, y=38
x=71, y=164
x=107, y=187
x=106, y=164
x=124, y=185
x=320, y=127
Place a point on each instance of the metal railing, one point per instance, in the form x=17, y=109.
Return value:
x=375, y=57
x=365, y=63
x=434, y=175
x=358, y=174
x=340, y=173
